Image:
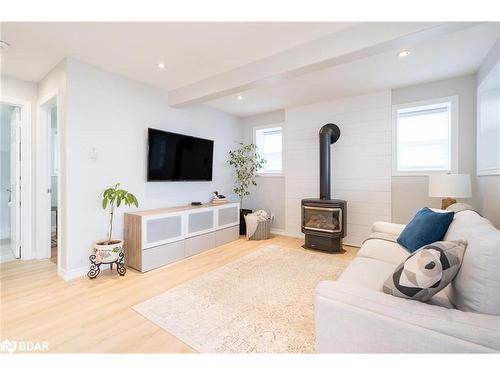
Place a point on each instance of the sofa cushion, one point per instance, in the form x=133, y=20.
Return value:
x=386, y=251
x=425, y=228
x=426, y=271
x=381, y=321
x=476, y=286
x=367, y=272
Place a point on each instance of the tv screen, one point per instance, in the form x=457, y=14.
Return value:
x=178, y=157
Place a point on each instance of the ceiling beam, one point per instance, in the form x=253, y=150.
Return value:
x=345, y=46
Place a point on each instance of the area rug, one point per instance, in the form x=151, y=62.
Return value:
x=261, y=303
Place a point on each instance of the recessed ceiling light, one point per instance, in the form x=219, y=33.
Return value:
x=4, y=45
x=161, y=65
x=404, y=53
x=239, y=97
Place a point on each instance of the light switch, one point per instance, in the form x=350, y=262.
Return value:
x=93, y=153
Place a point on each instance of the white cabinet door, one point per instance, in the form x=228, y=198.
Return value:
x=162, y=229
x=200, y=221
x=228, y=216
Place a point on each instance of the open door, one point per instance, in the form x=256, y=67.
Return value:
x=15, y=183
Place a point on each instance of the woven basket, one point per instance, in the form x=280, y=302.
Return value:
x=263, y=230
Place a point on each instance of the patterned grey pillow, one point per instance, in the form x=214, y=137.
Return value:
x=426, y=271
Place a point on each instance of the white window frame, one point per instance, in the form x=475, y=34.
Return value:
x=270, y=126
x=454, y=107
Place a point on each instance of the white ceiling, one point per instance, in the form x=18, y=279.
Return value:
x=194, y=52
x=191, y=51
x=446, y=56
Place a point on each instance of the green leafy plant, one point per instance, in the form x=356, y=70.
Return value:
x=114, y=197
x=246, y=162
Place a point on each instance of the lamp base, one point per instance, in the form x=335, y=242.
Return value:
x=446, y=202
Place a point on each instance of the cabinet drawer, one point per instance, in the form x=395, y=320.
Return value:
x=223, y=236
x=199, y=244
x=158, y=256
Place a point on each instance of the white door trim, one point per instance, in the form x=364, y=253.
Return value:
x=43, y=178
x=15, y=182
x=26, y=223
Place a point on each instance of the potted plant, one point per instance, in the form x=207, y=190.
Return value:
x=246, y=162
x=108, y=250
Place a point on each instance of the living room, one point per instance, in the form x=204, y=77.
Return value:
x=322, y=187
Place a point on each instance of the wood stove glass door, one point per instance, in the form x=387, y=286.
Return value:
x=323, y=219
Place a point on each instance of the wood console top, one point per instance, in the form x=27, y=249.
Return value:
x=159, y=211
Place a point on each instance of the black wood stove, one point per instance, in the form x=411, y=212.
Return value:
x=324, y=219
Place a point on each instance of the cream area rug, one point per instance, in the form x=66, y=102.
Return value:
x=261, y=303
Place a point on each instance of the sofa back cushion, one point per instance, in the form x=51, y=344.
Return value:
x=425, y=228
x=477, y=284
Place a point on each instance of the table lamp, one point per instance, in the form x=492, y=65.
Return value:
x=448, y=187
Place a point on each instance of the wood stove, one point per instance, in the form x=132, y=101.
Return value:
x=324, y=219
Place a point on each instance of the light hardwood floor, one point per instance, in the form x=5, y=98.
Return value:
x=95, y=315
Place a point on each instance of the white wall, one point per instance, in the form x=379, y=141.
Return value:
x=361, y=160
x=269, y=194
x=409, y=194
x=489, y=186
x=112, y=114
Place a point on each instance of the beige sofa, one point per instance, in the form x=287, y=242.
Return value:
x=353, y=315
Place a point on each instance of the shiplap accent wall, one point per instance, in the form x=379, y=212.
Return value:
x=361, y=160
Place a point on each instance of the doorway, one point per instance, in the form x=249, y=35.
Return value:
x=10, y=182
x=48, y=228
x=54, y=177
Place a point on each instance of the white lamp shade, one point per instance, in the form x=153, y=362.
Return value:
x=450, y=186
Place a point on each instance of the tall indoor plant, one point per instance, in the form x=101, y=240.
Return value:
x=246, y=162
x=108, y=250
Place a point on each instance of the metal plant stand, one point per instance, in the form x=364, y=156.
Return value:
x=95, y=267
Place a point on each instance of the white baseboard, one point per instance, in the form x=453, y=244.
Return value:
x=280, y=232
x=294, y=234
x=67, y=275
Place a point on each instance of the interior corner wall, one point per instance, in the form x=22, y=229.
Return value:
x=269, y=194
x=361, y=160
x=108, y=116
x=488, y=187
x=410, y=193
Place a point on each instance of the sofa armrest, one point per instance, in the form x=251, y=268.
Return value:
x=355, y=319
x=389, y=228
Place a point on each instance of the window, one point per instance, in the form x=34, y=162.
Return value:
x=425, y=137
x=269, y=145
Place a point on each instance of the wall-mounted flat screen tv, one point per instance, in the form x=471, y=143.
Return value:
x=179, y=157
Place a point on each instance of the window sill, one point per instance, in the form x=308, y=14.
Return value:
x=420, y=173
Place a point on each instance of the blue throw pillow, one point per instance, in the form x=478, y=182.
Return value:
x=425, y=228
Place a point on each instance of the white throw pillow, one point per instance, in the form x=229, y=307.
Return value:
x=477, y=284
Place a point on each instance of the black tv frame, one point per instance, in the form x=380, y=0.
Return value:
x=149, y=179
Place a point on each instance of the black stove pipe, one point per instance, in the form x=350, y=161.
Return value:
x=328, y=135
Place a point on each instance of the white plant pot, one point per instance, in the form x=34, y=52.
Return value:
x=108, y=253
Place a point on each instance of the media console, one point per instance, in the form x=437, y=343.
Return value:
x=154, y=238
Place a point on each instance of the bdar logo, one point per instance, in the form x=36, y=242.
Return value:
x=8, y=346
